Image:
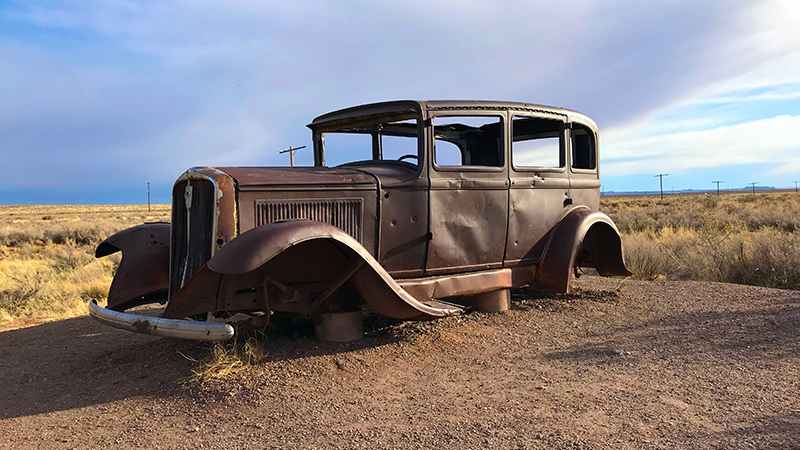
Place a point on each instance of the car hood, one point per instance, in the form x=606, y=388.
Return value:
x=296, y=176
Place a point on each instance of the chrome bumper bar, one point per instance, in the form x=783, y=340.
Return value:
x=158, y=326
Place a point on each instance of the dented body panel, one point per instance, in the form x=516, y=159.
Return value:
x=447, y=199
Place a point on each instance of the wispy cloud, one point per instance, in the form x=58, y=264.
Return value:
x=775, y=140
x=120, y=91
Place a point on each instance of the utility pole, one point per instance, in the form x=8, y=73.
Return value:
x=795, y=186
x=661, y=182
x=754, y=187
x=291, y=151
x=718, y=182
x=148, y=196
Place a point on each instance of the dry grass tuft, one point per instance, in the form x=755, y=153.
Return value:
x=225, y=360
x=736, y=238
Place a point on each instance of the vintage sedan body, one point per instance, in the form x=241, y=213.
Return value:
x=408, y=203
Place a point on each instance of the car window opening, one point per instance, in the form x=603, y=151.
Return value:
x=583, y=148
x=468, y=141
x=393, y=142
x=537, y=142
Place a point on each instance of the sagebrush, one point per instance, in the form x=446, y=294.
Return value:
x=737, y=238
x=47, y=264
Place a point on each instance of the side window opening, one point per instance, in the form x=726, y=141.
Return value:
x=468, y=141
x=537, y=142
x=583, y=147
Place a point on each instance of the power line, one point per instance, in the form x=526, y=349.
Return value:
x=754, y=186
x=795, y=186
x=661, y=182
x=718, y=182
x=291, y=151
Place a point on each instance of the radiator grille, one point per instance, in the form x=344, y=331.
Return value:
x=192, y=231
x=344, y=214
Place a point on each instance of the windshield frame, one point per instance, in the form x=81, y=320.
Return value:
x=364, y=122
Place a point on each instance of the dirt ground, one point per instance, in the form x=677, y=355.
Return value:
x=630, y=365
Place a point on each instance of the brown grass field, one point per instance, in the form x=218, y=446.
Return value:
x=47, y=264
x=48, y=269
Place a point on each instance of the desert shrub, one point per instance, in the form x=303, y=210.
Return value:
x=643, y=256
x=741, y=238
x=23, y=288
x=68, y=257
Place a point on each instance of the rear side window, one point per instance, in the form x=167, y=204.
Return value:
x=468, y=141
x=583, y=147
x=537, y=142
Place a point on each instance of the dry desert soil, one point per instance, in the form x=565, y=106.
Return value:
x=628, y=364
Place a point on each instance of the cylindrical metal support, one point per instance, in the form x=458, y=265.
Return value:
x=494, y=301
x=340, y=326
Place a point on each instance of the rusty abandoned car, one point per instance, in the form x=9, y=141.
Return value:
x=408, y=203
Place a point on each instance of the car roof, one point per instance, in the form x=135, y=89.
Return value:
x=400, y=106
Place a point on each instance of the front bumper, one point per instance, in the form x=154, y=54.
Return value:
x=159, y=326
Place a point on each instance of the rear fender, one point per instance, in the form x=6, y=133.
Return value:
x=295, y=253
x=143, y=273
x=587, y=237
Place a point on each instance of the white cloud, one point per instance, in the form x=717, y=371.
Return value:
x=775, y=140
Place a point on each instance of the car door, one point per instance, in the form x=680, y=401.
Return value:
x=540, y=191
x=468, y=191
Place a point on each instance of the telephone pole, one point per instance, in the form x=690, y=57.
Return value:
x=661, y=182
x=718, y=182
x=148, y=196
x=291, y=151
x=754, y=187
x=795, y=186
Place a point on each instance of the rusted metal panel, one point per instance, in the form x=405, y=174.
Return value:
x=536, y=205
x=404, y=230
x=582, y=230
x=457, y=285
x=295, y=177
x=540, y=195
x=252, y=252
x=143, y=275
x=468, y=226
x=249, y=201
x=343, y=213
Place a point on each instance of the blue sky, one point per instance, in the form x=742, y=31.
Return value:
x=100, y=97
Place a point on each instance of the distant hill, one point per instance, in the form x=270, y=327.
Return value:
x=691, y=191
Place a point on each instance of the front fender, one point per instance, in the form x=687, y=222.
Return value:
x=581, y=231
x=296, y=252
x=143, y=273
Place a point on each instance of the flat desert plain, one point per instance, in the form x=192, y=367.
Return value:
x=631, y=364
